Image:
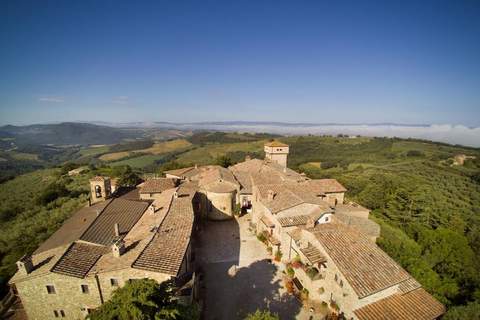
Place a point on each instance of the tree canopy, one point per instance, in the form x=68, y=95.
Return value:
x=144, y=299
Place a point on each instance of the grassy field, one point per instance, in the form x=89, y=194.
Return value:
x=23, y=156
x=209, y=152
x=167, y=146
x=138, y=162
x=157, y=149
x=93, y=151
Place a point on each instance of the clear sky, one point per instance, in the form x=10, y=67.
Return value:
x=296, y=61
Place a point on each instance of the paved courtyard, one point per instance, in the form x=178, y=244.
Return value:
x=238, y=275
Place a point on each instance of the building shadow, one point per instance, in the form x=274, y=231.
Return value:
x=231, y=291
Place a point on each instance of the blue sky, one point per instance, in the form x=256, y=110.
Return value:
x=297, y=61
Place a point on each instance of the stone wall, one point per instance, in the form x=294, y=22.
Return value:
x=221, y=205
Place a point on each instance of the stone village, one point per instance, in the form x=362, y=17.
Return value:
x=320, y=245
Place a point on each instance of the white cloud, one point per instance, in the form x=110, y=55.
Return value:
x=120, y=100
x=51, y=99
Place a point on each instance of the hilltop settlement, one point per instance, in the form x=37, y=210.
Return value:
x=149, y=232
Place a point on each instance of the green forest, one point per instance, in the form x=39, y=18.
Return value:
x=427, y=205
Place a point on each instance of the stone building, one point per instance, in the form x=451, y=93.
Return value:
x=277, y=152
x=103, y=246
x=147, y=233
x=100, y=189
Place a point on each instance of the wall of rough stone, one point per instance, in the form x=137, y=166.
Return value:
x=221, y=205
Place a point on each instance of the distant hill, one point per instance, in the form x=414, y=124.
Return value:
x=67, y=133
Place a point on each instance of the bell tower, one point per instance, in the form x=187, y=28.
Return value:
x=276, y=151
x=100, y=189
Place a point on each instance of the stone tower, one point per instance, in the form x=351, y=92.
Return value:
x=276, y=151
x=100, y=189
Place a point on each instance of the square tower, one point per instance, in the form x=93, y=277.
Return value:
x=100, y=189
x=276, y=151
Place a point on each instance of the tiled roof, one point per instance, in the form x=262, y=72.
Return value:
x=288, y=195
x=98, y=178
x=73, y=228
x=313, y=254
x=367, y=226
x=414, y=305
x=409, y=285
x=245, y=181
x=166, y=250
x=220, y=187
x=157, y=185
x=324, y=185
x=276, y=144
x=365, y=266
x=179, y=172
x=79, y=259
x=267, y=222
x=124, y=212
x=294, y=220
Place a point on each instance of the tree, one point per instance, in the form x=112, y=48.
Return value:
x=468, y=312
x=262, y=315
x=223, y=161
x=144, y=299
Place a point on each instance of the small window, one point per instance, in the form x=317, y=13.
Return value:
x=114, y=282
x=62, y=313
x=55, y=313
x=51, y=289
x=336, y=278
x=98, y=191
x=85, y=288
x=341, y=283
x=326, y=219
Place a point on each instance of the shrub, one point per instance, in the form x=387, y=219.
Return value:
x=289, y=286
x=262, y=237
x=415, y=153
x=262, y=315
x=312, y=273
x=290, y=272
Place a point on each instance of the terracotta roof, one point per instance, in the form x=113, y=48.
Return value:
x=179, y=172
x=416, y=304
x=367, y=226
x=220, y=187
x=166, y=250
x=245, y=181
x=313, y=254
x=324, y=185
x=267, y=222
x=294, y=220
x=276, y=144
x=124, y=212
x=408, y=285
x=365, y=266
x=72, y=228
x=157, y=185
x=99, y=178
x=79, y=259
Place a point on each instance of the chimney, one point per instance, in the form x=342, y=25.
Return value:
x=175, y=195
x=25, y=264
x=271, y=195
x=303, y=244
x=89, y=201
x=247, y=157
x=98, y=212
x=118, y=248
x=196, y=166
x=310, y=223
x=116, y=230
x=152, y=208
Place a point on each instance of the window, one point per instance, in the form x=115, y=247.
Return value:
x=51, y=289
x=114, y=282
x=55, y=313
x=336, y=277
x=85, y=288
x=98, y=191
x=341, y=283
x=59, y=313
x=62, y=313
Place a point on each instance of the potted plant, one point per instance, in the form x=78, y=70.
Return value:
x=290, y=272
x=289, y=286
x=278, y=255
x=297, y=263
x=269, y=249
